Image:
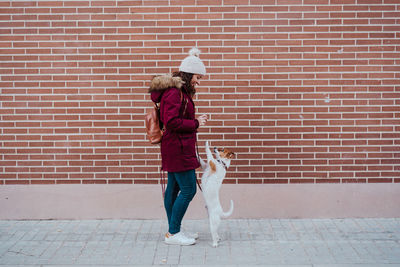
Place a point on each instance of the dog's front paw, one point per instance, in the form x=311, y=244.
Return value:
x=207, y=145
x=215, y=244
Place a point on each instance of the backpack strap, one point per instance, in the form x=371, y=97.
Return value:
x=160, y=123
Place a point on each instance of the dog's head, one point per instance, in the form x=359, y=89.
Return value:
x=225, y=153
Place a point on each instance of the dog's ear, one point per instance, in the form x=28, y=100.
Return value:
x=227, y=153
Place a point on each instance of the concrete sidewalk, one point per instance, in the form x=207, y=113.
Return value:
x=269, y=242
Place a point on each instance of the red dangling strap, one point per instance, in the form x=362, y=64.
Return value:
x=162, y=182
x=198, y=159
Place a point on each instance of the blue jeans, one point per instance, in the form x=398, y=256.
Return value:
x=181, y=189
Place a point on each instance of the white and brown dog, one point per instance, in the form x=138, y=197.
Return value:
x=211, y=181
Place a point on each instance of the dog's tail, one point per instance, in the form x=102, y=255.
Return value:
x=229, y=212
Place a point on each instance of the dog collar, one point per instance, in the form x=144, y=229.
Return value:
x=223, y=163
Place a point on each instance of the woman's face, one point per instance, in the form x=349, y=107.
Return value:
x=196, y=80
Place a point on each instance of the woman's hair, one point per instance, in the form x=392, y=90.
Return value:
x=187, y=78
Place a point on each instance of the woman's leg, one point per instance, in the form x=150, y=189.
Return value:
x=170, y=194
x=187, y=184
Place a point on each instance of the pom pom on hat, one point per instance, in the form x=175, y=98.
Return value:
x=194, y=52
x=193, y=63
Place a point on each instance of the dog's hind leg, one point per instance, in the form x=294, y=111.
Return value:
x=215, y=220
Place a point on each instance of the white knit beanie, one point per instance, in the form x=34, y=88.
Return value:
x=192, y=63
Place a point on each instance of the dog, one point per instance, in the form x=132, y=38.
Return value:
x=214, y=172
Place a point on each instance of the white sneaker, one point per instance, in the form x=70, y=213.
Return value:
x=190, y=235
x=194, y=236
x=178, y=239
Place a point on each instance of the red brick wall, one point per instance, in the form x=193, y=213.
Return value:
x=301, y=90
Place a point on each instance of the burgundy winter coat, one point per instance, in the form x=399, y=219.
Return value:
x=177, y=112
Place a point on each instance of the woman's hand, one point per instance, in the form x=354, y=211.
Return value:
x=202, y=119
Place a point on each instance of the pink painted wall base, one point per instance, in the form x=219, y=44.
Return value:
x=251, y=201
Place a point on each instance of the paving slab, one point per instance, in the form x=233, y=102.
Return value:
x=245, y=242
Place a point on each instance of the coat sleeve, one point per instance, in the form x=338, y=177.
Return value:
x=171, y=117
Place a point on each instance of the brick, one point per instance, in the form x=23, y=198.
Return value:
x=321, y=77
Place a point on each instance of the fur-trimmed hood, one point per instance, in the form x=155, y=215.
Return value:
x=160, y=83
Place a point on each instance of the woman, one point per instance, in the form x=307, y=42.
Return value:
x=178, y=147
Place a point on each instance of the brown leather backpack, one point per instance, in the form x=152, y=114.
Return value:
x=154, y=126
